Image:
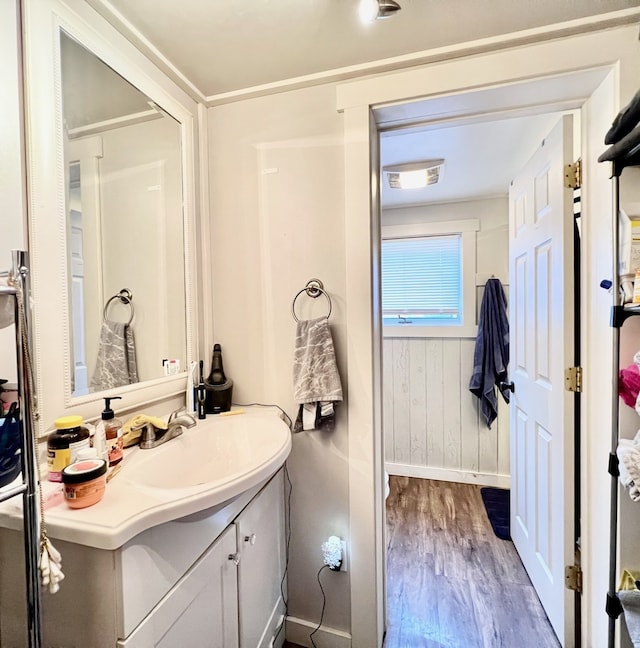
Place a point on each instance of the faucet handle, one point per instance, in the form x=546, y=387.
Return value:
x=174, y=415
x=148, y=432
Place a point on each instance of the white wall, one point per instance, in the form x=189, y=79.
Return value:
x=256, y=276
x=278, y=220
x=13, y=234
x=432, y=426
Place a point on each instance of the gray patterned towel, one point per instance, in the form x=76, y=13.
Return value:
x=316, y=381
x=116, y=363
x=630, y=600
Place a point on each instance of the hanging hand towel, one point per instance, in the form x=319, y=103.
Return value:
x=116, y=363
x=491, y=356
x=630, y=600
x=316, y=382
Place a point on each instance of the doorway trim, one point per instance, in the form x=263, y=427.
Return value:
x=614, y=50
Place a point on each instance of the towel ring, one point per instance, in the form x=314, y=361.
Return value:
x=126, y=297
x=314, y=289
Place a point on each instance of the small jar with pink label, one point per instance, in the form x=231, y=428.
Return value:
x=84, y=482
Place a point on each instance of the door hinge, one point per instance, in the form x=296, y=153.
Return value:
x=573, y=379
x=573, y=175
x=573, y=578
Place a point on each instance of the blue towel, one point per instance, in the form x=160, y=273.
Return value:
x=491, y=356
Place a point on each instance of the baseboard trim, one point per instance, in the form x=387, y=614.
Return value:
x=449, y=474
x=298, y=631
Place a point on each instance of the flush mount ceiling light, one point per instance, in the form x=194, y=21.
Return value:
x=414, y=175
x=371, y=10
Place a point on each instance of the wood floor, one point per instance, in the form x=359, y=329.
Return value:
x=451, y=583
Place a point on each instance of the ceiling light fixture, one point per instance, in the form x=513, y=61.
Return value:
x=371, y=10
x=414, y=175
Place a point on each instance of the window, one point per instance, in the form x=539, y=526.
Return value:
x=421, y=279
x=428, y=279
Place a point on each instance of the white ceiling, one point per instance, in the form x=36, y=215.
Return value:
x=229, y=46
x=480, y=158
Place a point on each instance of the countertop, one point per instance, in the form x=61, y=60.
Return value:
x=218, y=460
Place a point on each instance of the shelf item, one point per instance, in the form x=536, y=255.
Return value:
x=624, y=152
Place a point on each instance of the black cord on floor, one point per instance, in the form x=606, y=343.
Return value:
x=324, y=602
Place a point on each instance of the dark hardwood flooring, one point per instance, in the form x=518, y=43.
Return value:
x=451, y=583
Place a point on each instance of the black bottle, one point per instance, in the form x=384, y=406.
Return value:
x=216, y=375
x=218, y=387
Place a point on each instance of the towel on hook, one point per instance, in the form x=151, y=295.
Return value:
x=491, y=356
x=630, y=600
x=116, y=363
x=316, y=381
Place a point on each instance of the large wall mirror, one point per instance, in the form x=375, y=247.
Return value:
x=111, y=168
x=125, y=243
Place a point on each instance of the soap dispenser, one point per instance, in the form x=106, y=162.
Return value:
x=109, y=432
x=218, y=387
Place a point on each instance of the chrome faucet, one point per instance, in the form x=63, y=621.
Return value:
x=152, y=436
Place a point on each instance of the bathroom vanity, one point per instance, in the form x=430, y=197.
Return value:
x=212, y=576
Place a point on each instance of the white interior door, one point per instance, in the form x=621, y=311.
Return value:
x=541, y=341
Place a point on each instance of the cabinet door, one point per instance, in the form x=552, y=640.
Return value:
x=261, y=546
x=201, y=609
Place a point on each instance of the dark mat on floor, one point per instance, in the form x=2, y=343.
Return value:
x=496, y=502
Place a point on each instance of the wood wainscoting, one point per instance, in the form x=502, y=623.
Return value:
x=431, y=425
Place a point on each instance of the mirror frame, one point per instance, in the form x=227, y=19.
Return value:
x=42, y=22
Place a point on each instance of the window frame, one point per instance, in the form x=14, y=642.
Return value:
x=466, y=229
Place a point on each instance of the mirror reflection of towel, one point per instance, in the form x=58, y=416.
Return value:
x=116, y=363
x=7, y=308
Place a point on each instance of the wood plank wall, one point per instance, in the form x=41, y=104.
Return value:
x=431, y=423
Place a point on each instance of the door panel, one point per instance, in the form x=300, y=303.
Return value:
x=541, y=315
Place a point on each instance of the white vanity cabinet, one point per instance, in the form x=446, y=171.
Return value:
x=175, y=585
x=231, y=596
x=201, y=610
x=261, y=554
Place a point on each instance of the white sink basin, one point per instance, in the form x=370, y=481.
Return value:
x=206, y=468
x=217, y=452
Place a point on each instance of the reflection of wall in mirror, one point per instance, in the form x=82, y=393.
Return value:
x=12, y=231
x=141, y=241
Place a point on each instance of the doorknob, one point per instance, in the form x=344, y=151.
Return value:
x=507, y=385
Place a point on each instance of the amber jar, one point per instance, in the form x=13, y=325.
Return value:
x=63, y=444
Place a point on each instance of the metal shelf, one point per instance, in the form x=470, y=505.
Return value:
x=29, y=487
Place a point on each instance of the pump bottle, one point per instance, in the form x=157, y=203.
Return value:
x=109, y=429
